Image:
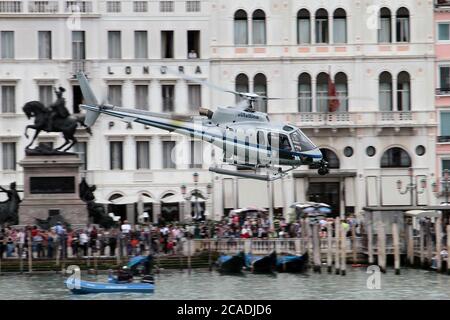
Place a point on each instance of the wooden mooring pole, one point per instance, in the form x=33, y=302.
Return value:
x=329, y=251
x=316, y=247
x=429, y=244
x=448, y=248
x=438, y=229
x=370, y=242
x=381, y=250
x=395, y=239
x=343, y=251
x=337, y=231
x=189, y=255
x=410, y=246
x=422, y=244
x=354, y=248
x=30, y=253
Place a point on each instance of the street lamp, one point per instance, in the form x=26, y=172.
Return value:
x=412, y=186
x=445, y=182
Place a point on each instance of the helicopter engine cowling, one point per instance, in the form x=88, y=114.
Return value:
x=233, y=115
x=206, y=112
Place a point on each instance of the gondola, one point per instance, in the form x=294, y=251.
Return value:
x=231, y=264
x=261, y=264
x=85, y=287
x=292, y=263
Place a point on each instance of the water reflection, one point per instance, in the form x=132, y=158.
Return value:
x=202, y=284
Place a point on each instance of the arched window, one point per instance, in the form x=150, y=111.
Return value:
x=385, y=91
x=260, y=88
x=118, y=209
x=259, y=27
x=321, y=26
x=340, y=80
x=395, y=158
x=384, y=31
x=303, y=26
x=241, y=85
x=170, y=208
x=402, y=25
x=340, y=26
x=322, y=92
x=331, y=158
x=240, y=28
x=403, y=91
x=304, y=93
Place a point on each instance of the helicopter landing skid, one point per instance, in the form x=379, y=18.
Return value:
x=268, y=177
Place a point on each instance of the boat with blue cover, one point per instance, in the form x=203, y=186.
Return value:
x=231, y=264
x=292, y=263
x=85, y=287
x=261, y=264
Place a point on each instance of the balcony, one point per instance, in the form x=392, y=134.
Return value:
x=46, y=8
x=441, y=3
x=443, y=91
x=358, y=119
x=79, y=65
x=10, y=6
x=43, y=6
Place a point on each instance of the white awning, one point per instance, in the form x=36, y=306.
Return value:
x=423, y=213
x=173, y=199
x=133, y=199
x=102, y=201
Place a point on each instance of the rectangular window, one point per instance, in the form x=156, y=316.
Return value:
x=444, y=31
x=8, y=99
x=10, y=6
x=79, y=6
x=168, y=97
x=304, y=31
x=45, y=94
x=140, y=45
x=140, y=6
x=195, y=96
x=445, y=165
x=78, y=45
x=9, y=155
x=444, y=79
x=240, y=31
x=142, y=155
x=81, y=149
x=196, y=154
x=141, y=97
x=321, y=31
x=113, y=6
x=168, y=161
x=7, y=44
x=115, y=94
x=116, y=155
x=193, y=39
x=167, y=44
x=340, y=30
x=402, y=29
x=259, y=31
x=384, y=33
x=192, y=6
x=322, y=98
x=166, y=6
x=305, y=97
x=45, y=44
x=445, y=124
x=114, y=45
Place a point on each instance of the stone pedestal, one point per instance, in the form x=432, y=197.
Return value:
x=51, y=185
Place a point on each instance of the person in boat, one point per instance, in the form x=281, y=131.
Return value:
x=124, y=275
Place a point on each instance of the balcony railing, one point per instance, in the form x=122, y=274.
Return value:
x=358, y=119
x=442, y=91
x=79, y=65
x=78, y=6
x=10, y=6
x=43, y=6
x=442, y=3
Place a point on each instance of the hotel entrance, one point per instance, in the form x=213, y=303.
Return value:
x=326, y=192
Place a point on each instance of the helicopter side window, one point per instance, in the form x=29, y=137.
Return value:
x=284, y=143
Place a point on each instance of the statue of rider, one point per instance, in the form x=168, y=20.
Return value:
x=13, y=197
x=57, y=109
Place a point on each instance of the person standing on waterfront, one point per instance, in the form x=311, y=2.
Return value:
x=20, y=242
x=84, y=242
x=112, y=243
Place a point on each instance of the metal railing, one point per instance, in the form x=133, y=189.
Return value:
x=43, y=6
x=10, y=6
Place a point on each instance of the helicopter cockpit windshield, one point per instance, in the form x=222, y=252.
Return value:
x=301, y=142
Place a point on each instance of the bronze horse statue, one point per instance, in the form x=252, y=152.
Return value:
x=56, y=118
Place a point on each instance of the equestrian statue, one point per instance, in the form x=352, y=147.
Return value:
x=54, y=118
x=96, y=210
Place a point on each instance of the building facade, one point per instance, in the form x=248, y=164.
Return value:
x=381, y=57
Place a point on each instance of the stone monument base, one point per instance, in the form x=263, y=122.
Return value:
x=51, y=186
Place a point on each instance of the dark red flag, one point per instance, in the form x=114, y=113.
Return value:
x=333, y=102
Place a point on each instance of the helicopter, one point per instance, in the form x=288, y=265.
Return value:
x=247, y=137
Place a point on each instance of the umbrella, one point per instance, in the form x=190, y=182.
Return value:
x=136, y=260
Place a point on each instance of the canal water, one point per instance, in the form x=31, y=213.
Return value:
x=203, y=284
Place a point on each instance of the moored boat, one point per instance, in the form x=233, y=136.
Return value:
x=262, y=264
x=231, y=264
x=84, y=287
x=292, y=263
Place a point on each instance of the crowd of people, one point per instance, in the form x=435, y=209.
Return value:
x=127, y=239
